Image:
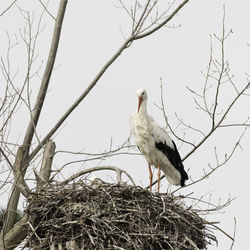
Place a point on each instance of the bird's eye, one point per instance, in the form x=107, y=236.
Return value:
x=142, y=93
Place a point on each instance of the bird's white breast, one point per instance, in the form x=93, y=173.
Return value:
x=146, y=133
x=142, y=133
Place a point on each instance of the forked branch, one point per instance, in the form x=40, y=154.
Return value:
x=131, y=38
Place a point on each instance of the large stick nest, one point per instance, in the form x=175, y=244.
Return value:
x=112, y=216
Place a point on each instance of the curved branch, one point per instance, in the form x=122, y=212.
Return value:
x=100, y=168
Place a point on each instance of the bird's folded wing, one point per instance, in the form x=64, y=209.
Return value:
x=160, y=135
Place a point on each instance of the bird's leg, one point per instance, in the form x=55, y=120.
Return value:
x=159, y=175
x=150, y=177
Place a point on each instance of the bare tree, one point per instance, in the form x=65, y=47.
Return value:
x=147, y=17
x=14, y=97
x=217, y=78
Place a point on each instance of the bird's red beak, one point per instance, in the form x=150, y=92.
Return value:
x=139, y=103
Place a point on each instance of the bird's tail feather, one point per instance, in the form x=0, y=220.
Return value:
x=184, y=177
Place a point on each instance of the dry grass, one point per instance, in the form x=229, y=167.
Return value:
x=111, y=216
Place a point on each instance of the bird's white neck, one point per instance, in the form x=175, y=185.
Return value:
x=143, y=109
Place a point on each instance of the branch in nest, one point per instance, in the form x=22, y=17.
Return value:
x=101, y=168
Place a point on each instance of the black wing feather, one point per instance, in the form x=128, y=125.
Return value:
x=174, y=158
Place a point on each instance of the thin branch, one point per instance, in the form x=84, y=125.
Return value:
x=8, y=8
x=227, y=158
x=218, y=228
x=222, y=64
x=140, y=22
x=127, y=11
x=232, y=104
x=125, y=45
x=233, y=234
x=163, y=23
x=45, y=7
x=47, y=73
x=100, y=168
x=214, y=128
x=166, y=119
x=80, y=98
x=22, y=163
x=7, y=159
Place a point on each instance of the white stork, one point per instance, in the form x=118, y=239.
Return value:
x=156, y=145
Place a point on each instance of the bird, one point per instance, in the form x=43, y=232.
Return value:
x=156, y=145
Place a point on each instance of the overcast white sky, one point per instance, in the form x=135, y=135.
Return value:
x=92, y=31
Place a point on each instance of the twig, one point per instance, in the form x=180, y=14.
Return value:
x=47, y=10
x=7, y=159
x=7, y=8
x=233, y=234
x=100, y=168
x=163, y=23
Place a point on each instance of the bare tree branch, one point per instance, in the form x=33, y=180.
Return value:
x=221, y=230
x=146, y=19
x=233, y=234
x=227, y=158
x=217, y=119
x=16, y=235
x=46, y=77
x=7, y=159
x=126, y=44
x=80, y=98
x=162, y=23
x=15, y=194
x=43, y=176
x=45, y=7
x=22, y=162
x=8, y=8
x=100, y=168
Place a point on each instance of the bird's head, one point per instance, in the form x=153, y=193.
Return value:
x=142, y=96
